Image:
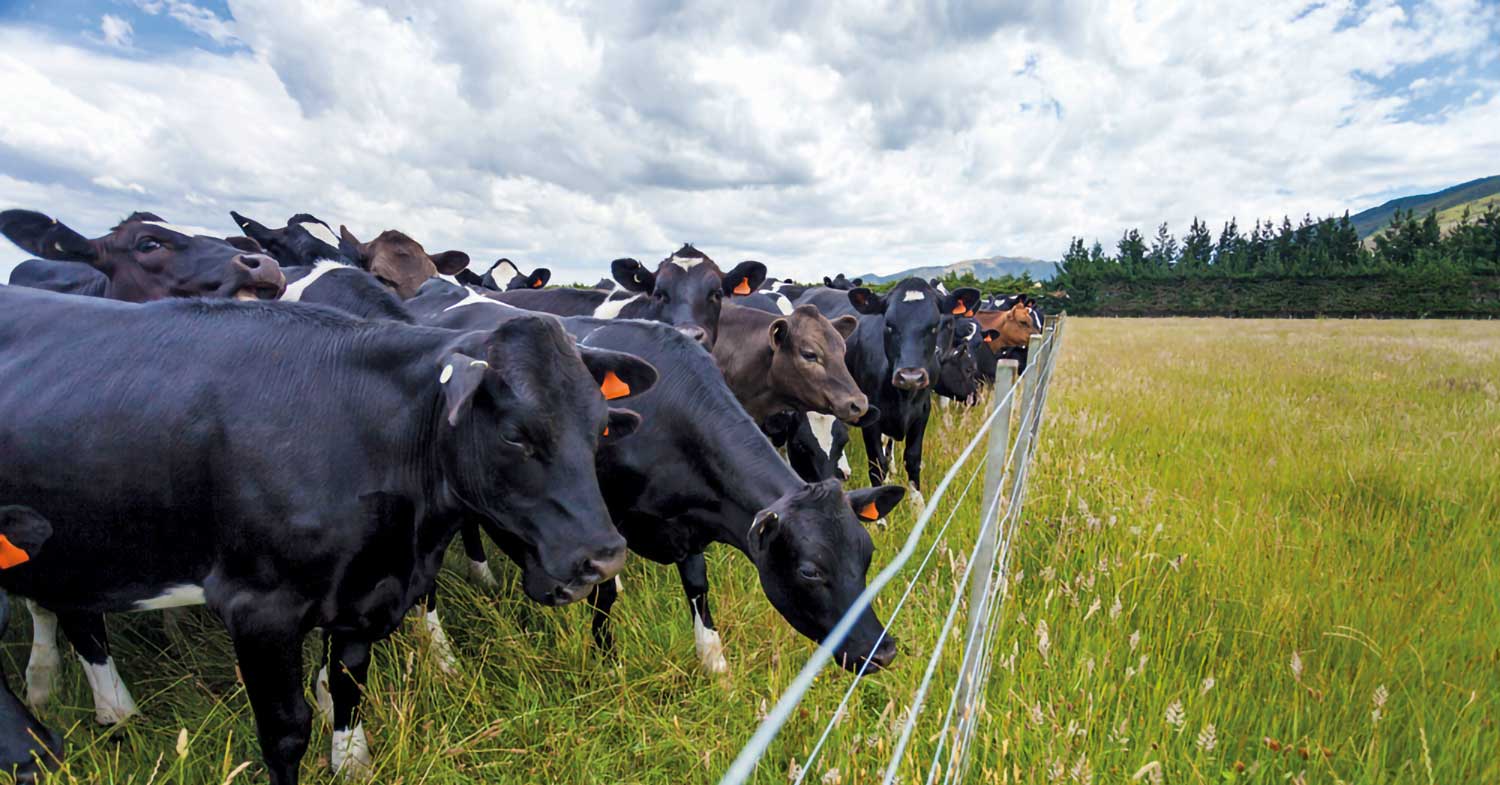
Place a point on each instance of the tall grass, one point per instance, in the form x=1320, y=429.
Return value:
x=1257, y=551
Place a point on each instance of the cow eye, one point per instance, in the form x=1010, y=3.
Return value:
x=810, y=357
x=147, y=244
x=515, y=440
x=810, y=572
x=714, y=295
x=662, y=295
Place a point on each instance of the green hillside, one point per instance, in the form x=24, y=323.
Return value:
x=1453, y=199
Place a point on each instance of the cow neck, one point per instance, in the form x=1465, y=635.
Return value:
x=748, y=480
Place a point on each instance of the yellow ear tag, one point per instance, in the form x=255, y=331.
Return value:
x=613, y=386
x=743, y=287
x=869, y=513
x=10, y=555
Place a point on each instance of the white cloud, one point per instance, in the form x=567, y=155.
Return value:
x=815, y=139
x=115, y=31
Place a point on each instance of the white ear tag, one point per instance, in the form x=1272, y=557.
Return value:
x=447, y=374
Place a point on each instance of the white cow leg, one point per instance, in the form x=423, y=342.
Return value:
x=42, y=667
x=481, y=574
x=350, y=756
x=112, y=701
x=441, y=649
x=321, y=696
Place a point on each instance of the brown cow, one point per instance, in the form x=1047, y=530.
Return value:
x=142, y=258
x=795, y=362
x=398, y=261
x=1015, y=326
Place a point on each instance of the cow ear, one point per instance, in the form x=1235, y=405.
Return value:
x=778, y=331
x=961, y=302
x=764, y=526
x=539, y=278
x=872, y=504
x=622, y=423
x=450, y=262
x=22, y=532
x=846, y=325
x=461, y=377
x=858, y=282
x=352, y=248
x=45, y=238
x=619, y=375
x=252, y=229
x=866, y=301
x=827, y=281
x=632, y=276
x=246, y=244
x=744, y=279
x=991, y=336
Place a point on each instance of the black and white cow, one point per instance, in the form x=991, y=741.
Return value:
x=508, y=271
x=893, y=355
x=26, y=746
x=303, y=242
x=177, y=484
x=699, y=471
x=685, y=291
x=142, y=258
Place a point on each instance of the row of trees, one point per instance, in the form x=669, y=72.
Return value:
x=1327, y=247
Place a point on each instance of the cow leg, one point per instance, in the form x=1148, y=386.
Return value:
x=112, y=700
x=348, y=669
x=479, y=565
x=437, y=638
x=268, y=647
x=911, y=455
x=875, y=454
x=42, y=667
x=601, y=600
x=693, y=571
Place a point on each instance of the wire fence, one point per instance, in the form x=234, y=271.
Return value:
x=981, y=589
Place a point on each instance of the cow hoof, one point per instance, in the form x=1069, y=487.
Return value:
x=710, y=648
x=351, y=754
x=917, y=499
x=481, y=574
x=322, y=697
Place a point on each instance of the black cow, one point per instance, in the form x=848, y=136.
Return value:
x=958, y=377
x=177, y=484
x=303, y=242
x=978, y=341
x=841, y=283
x=508, y=270
x=142, y=258
x=894, y=357
x=26, y=746
x=699, y=471
x=685, y=292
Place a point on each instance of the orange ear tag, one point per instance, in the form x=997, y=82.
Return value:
x=536, y=284
x=743, y=287
x=606, y=430
x=613, y=386
x=959, y=308
x=869, y=513
x=10, y=555
x=988, y=339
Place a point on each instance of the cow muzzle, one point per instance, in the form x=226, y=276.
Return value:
x=602, y=566
x=261, y=277
x=852, y=409
x=853, y=659
x=910, y=379
x=697, y=334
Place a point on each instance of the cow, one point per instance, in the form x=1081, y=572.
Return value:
x=893, y=355
x=958, y=377
x=768, y=301
x=841, y=283
x=699, y=471
x=179, y=486
x=1013, y=328
x=303, y=242
x=398, y=261
x=26, y=746
x=514, y=278
x=776, y=364
x=686, y=291
x=979, y=342
x=142, y=258
x=348, y=289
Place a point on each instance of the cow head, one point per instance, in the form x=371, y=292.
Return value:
x=813, y=555
x=807, y=363
x=398, y=261
x=523, y=411
x=917, y=320
x=841, y=283
x=146, y=258
x=959, y=375
x=303, y=242
x=505, y=269
x=688, y=289
x=1015, y=325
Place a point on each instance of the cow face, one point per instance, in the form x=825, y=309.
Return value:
x=813, y=555
x=525, y=412
x=398, y=261
x=807, y=363
x=303, y=242
x=958, y=368
x=841, y=283
x=506, y=270
x=914, y=316
x=1014, y=326
x=146, y=258
x=688, y=289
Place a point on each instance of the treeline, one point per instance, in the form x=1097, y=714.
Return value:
x=1311, y=248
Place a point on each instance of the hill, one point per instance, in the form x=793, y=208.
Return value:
x=992, y=267
x=1483, y=190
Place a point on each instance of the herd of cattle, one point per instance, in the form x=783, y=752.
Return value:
x=292, y=425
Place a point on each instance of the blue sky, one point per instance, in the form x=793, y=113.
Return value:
x=855, y=137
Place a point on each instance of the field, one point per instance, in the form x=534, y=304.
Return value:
x=1254, y=551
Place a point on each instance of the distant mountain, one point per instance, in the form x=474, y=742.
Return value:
x=993, y=267
x=1376, y=218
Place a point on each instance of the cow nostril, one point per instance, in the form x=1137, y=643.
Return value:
x=250, y=261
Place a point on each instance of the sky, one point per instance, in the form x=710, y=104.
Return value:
x=814, y=137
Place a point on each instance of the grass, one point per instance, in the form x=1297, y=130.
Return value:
x=1243, y=538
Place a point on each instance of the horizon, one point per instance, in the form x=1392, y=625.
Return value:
x=566, y=137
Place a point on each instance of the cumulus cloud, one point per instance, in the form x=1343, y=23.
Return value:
x=115, y=31
x=848, y=136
